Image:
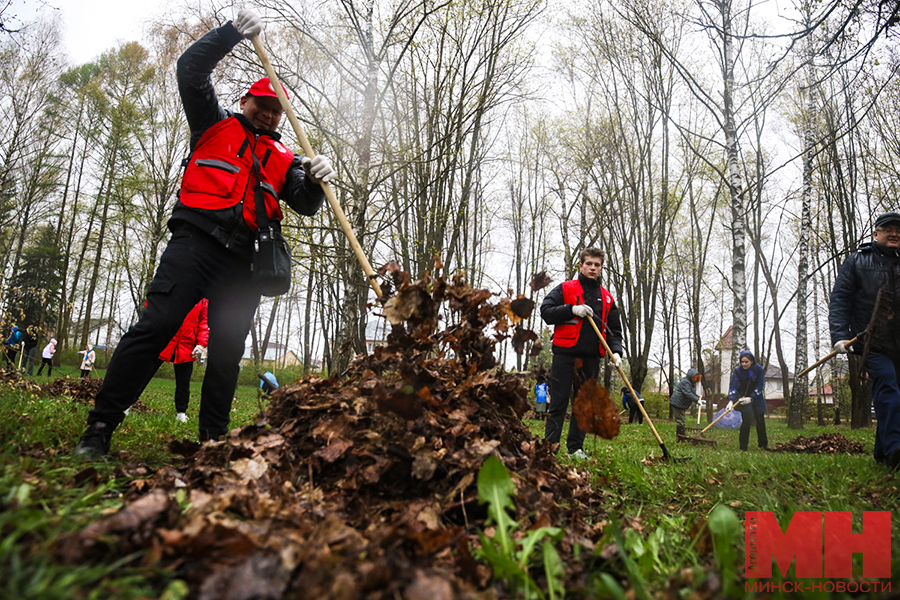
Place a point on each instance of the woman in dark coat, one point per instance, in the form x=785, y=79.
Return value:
x=749, y=381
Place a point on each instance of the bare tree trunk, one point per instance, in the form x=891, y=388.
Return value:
x=98, y=255
x=797, y=404
x=861, y=391
x=268, y=334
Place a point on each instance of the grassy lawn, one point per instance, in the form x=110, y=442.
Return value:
x=670, y=503
x=46, y=493
x=659, y=513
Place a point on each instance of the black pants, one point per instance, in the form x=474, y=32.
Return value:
x=46, y=362
x=634, y=412
x=193, y=266
x=30, y=355
x=749, y=415
x=563, y=385
x=183, y=372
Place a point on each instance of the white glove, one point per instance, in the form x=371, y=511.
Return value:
x=582, y=311
x=729, y=406
x=616, y=360
x=248, y=23
x=841, y=346
x=319, y=168
x=197, y=352
x=744, y=400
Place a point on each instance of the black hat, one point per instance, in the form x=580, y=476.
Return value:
x=888, y=217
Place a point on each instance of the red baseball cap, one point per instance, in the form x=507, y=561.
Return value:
x=263, y=87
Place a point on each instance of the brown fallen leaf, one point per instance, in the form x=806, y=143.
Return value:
x=540, y=281
x=595, y=411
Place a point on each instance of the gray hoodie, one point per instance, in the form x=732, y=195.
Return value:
x=684, y=394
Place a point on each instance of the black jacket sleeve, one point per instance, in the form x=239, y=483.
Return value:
x=299, y=191
x=614, y=330
x=194, y=75
x=841, y=302
x=553, y=310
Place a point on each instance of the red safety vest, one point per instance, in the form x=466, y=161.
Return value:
x=220, y=172
x=566, y=334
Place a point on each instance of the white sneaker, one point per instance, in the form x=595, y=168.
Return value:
x=579, y=455
x=181, y=417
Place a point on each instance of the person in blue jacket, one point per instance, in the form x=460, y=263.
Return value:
x=634, y=412
x=749, y=381
x=12, y=346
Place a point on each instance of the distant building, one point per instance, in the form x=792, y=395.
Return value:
x=720, y=374
x=377, y=331
x=277, y=356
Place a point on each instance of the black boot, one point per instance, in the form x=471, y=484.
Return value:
x=95, y=441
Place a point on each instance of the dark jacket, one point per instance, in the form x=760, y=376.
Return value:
x=749, y=383
x=554, y=311
x=685, y=394
x=871, y=268
x=202, y=108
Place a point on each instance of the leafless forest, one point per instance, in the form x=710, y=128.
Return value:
x=727, y=155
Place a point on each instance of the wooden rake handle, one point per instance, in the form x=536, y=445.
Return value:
x=717, y=419
x=630, y=389
x=825, y=358
x=308, y=151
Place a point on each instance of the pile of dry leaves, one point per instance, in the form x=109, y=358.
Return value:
x=362, y=486
x=827, y=443
x=79, y=389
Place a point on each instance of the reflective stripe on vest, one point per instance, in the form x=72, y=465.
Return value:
x=565, y=335
x=220, y=172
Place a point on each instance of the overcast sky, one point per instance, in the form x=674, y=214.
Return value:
x=91, y=26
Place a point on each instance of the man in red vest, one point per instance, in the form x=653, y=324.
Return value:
x=213, y=229
x=567, y=308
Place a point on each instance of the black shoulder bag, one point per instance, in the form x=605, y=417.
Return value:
x=271, y=255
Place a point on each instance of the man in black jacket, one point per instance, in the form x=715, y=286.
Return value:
x=874, y=268
x=213, y=225
x=567, y=308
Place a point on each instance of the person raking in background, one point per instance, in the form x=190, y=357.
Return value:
x=12, y=346
x=567, y=308
x=234, y=156
x=634, y=411
x=47, y=357
x=30, y=343
x=748, y=381
x=683, y=397
x=186, y=347
x=87, y=361
x=874, y=268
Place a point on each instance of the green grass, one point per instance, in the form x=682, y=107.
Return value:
x=671, y=502
x=46, y=493
x=657, y=515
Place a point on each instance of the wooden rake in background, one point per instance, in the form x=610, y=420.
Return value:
x=308, y=151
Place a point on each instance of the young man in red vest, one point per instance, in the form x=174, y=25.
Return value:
x=213, y=229
x=567, y=308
